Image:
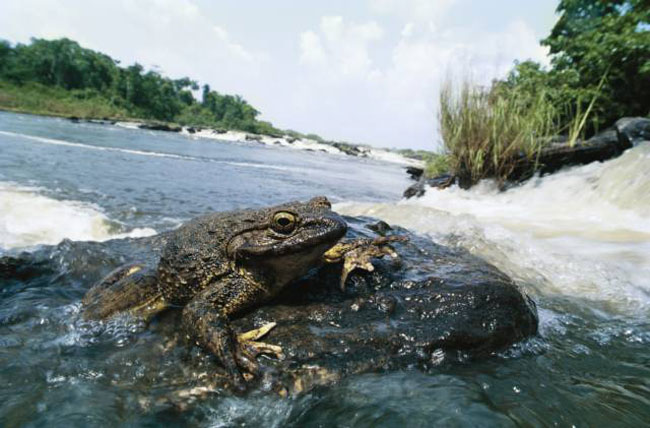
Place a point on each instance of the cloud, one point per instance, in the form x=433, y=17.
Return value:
x=412, y=10
x=176, y=37
x=394, y=102
x=340, y=46
x=311, y=48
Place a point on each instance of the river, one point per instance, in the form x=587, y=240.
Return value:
x=578, y=242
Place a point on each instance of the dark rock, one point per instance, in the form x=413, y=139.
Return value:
x=73, y=119
x=348, y=149
x=191, y=130
x=600, y=147
x=157, y=126
x=414, y=172
x=291, y=140
x=101, y=121
x=633, y=130
x=252, y=137
x=441, y=181
x=434, y=299
x=381, y=227
x=416, y=189
x=433, y=302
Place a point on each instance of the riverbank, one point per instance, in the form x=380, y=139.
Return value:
x=55, y=102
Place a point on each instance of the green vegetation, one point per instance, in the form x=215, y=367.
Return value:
x=59, y=77
x=600, y=72
x=486, y=133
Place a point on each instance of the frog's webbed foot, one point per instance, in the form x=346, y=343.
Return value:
x=358, y=254
x=248, y=348
x=248, y=341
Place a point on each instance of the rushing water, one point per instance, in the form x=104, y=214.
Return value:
x=578, y=242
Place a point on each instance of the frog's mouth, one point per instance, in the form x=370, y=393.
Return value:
x=319, y=233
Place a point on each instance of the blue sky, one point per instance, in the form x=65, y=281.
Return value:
x=364, y=71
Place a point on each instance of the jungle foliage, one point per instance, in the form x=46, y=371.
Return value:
x=61, y=77
x=599, y=72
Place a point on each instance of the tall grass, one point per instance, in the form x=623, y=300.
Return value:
x=486, y=132
x=577, y=125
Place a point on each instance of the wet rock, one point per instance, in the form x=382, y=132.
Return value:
x=103, y=121
x=159, y=126
x=414, y=172
x=435, y=299
x=633, y=130
x=348, y=149
x=600, y=147
x=441, y=181
x=381, y=227
x=432, y=304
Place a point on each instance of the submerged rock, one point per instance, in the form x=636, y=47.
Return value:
x=434, y=304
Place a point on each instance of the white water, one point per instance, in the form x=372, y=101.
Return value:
x=28, y=219
x=583, y=232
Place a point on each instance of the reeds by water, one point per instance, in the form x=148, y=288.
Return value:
x=486, y=132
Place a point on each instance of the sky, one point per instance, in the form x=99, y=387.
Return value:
x=364, y=71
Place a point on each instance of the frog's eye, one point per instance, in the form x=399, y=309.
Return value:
x=283, y=222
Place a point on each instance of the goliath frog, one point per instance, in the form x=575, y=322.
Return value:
x=218, y=266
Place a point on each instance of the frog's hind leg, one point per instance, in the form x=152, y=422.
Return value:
x=132, y=288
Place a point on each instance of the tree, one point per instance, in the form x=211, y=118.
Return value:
x=604, y=38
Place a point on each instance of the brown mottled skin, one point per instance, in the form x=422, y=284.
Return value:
x=218, y=266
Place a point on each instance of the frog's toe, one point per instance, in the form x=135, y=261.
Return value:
x=249, y=343
x=359, y=254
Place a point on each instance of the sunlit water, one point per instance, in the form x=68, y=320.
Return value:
x=578, y=242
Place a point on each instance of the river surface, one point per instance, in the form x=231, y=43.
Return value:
x=578, y=242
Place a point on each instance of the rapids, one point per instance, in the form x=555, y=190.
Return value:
x=578, y=242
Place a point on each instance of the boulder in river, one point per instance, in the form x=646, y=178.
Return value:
x=434, y=304
x=159, y=126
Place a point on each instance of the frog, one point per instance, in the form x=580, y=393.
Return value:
x=220, y=265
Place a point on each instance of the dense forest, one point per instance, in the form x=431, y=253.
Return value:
x=61, y=77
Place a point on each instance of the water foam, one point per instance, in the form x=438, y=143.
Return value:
x=583, y=232
x=28, y=218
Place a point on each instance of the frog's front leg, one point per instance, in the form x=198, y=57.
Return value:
x=132, y=288
x=357, y=254
x=207, y=319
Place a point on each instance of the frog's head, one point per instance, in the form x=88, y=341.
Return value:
x=287, y=240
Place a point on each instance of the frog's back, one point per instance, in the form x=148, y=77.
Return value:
x=195, y=256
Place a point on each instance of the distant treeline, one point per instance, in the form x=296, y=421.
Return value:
x=83, y=77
